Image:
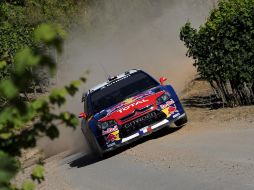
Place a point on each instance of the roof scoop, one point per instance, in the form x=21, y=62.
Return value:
x=112, y=78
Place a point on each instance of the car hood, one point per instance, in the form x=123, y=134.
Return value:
x=129, y=105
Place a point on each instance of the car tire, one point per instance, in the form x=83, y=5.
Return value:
x=93, y=144
x=97, y=149
x=181, y=122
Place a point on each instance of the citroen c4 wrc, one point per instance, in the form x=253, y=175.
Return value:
x=127, y=107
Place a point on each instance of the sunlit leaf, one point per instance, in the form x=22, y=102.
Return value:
x=57, y=96
x=24, y=59
x=61, y=32
x=37, y=104
x=2, y=64
x=45, y=33
x=5, y=135
x=65, y=115
x=38, y=173
x=28, y=185
x=8, y=89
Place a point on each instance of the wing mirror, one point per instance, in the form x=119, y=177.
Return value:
x=162, y=80
x=82, y=115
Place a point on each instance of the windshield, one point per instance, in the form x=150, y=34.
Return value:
x=121, y=90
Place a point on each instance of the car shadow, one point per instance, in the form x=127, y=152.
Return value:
x=211, y=102
x=87, y=159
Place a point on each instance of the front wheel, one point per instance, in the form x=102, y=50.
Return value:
x=93, y=144
x=96, y=148
x=181, y=122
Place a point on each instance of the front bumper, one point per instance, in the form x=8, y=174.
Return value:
x=147, y=130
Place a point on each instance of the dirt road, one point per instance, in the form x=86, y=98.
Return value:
x=214, y=151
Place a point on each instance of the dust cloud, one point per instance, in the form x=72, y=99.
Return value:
x=114, y=36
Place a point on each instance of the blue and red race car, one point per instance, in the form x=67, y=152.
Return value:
x=127, y=107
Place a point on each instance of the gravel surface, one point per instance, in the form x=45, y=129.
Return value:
x=201, y=155
x=213, y=151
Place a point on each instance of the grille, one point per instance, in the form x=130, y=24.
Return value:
x=145, y=120
x=137, y=111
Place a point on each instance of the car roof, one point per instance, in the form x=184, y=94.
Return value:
x=111, y=80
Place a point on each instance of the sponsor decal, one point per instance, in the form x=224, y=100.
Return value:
x=142, y=95
x=109, y=130
x=170, y=110
x=167, y=104
x=163, y=106
x=149, y=129
x=141, y=119
x=110, y=145
x=166, y=112
x=115, y=81
x=176, y=115
x=90, y=118
x=142, y=130
x=170, y=102
x=112, y=137
x=129, y=100
x=117, y=106
x=132, y=105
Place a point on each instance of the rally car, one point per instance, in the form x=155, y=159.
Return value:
x=127, y=107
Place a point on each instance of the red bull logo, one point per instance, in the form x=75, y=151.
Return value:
x=167, y=104
x=172, y=109
x=112, y=137
x=109, y=130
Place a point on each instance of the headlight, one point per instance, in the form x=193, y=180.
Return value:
x=162, y=99
x=107, y=124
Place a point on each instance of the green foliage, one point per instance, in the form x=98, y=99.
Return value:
x=22, y=51
x=38, y=173
x=18, y=20
x=25, y=59
x=2, y=64
x=28, y=185
x=223, y=50
x=8, y=168
x=8, y=89
x=22, y=122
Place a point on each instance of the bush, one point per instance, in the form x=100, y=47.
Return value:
x=18, y=20
x=223, y=50
x=21, y=122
